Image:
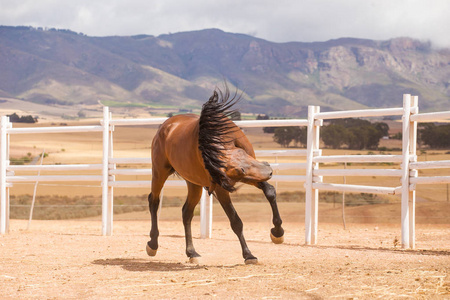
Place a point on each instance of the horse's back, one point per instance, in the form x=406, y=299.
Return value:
x=176, y=125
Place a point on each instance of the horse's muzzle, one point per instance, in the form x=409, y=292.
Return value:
x=269, y=169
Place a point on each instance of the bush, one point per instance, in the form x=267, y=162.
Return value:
x=20, y=161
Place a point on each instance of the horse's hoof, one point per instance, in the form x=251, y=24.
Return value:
x=150, y=251
x=277, y=240
x=194, y=260
x=251, y=261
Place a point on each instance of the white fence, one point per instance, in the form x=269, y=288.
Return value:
x=313, y=180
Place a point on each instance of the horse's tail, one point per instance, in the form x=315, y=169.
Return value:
x=214, y=131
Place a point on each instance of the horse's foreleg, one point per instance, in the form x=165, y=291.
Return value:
x=276, y=233
x=236, y=224
x=193, y=197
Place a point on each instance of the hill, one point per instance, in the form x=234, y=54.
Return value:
x=61, y=67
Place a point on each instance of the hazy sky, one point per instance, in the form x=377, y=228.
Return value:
x=278, y=21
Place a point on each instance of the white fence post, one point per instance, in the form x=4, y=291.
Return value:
x=311, y=195
x=106, y=203
x=413, y=173
x=206, y=209
x=3, y=164
x=8, y=209
x=110, y=188
x=8, y=198
x=405, y=168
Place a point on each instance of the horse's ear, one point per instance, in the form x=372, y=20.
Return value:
x=214, y=97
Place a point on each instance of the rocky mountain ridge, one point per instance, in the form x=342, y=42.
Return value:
x=61, y=67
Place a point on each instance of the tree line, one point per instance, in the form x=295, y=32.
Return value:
x=357, y=134
x=350, y=133
x=435, y=136
x=15, y=118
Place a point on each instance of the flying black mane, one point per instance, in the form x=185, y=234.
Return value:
x=214, y=126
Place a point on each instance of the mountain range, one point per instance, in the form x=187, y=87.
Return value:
x=180, y=70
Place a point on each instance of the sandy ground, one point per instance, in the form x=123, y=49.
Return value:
x=69, y=259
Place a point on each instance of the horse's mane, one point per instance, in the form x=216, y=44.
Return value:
x=213, y=129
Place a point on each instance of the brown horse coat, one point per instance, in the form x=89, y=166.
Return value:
x=208, y=151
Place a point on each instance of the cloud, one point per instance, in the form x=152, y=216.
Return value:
x=278, y=21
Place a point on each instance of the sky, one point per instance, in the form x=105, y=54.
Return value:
x=276, y=21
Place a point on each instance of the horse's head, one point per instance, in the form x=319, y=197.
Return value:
x=241, y=167
x=218, y=137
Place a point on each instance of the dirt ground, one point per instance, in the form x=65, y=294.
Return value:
x=70, y=259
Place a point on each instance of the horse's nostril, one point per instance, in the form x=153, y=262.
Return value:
x=270, y=175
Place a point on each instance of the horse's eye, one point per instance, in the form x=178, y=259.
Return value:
x=243, y=171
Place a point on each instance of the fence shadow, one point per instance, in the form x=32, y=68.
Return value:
x=396, y=251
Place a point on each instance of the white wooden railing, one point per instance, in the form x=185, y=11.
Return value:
x=313, y=180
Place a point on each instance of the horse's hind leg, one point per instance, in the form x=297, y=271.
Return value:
x=152, y=245
x=193, y=197
x=276, y=233
x=159, y=176
x=236, y=223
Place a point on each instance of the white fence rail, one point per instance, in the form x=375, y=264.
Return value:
x=313, y=180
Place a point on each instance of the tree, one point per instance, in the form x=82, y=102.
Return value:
x=435, y=136
x=373, y=137
x=235, y=115
x=300, y=135
x=382, y=127
x=81, y=114
x=266, y=129
x=283, y=136
x=355, y=133
x=262, y=117
x=14, y=118
x=334, y=136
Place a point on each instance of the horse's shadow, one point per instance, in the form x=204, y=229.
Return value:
x=141, y=265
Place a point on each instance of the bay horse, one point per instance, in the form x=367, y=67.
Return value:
x=208, y=151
